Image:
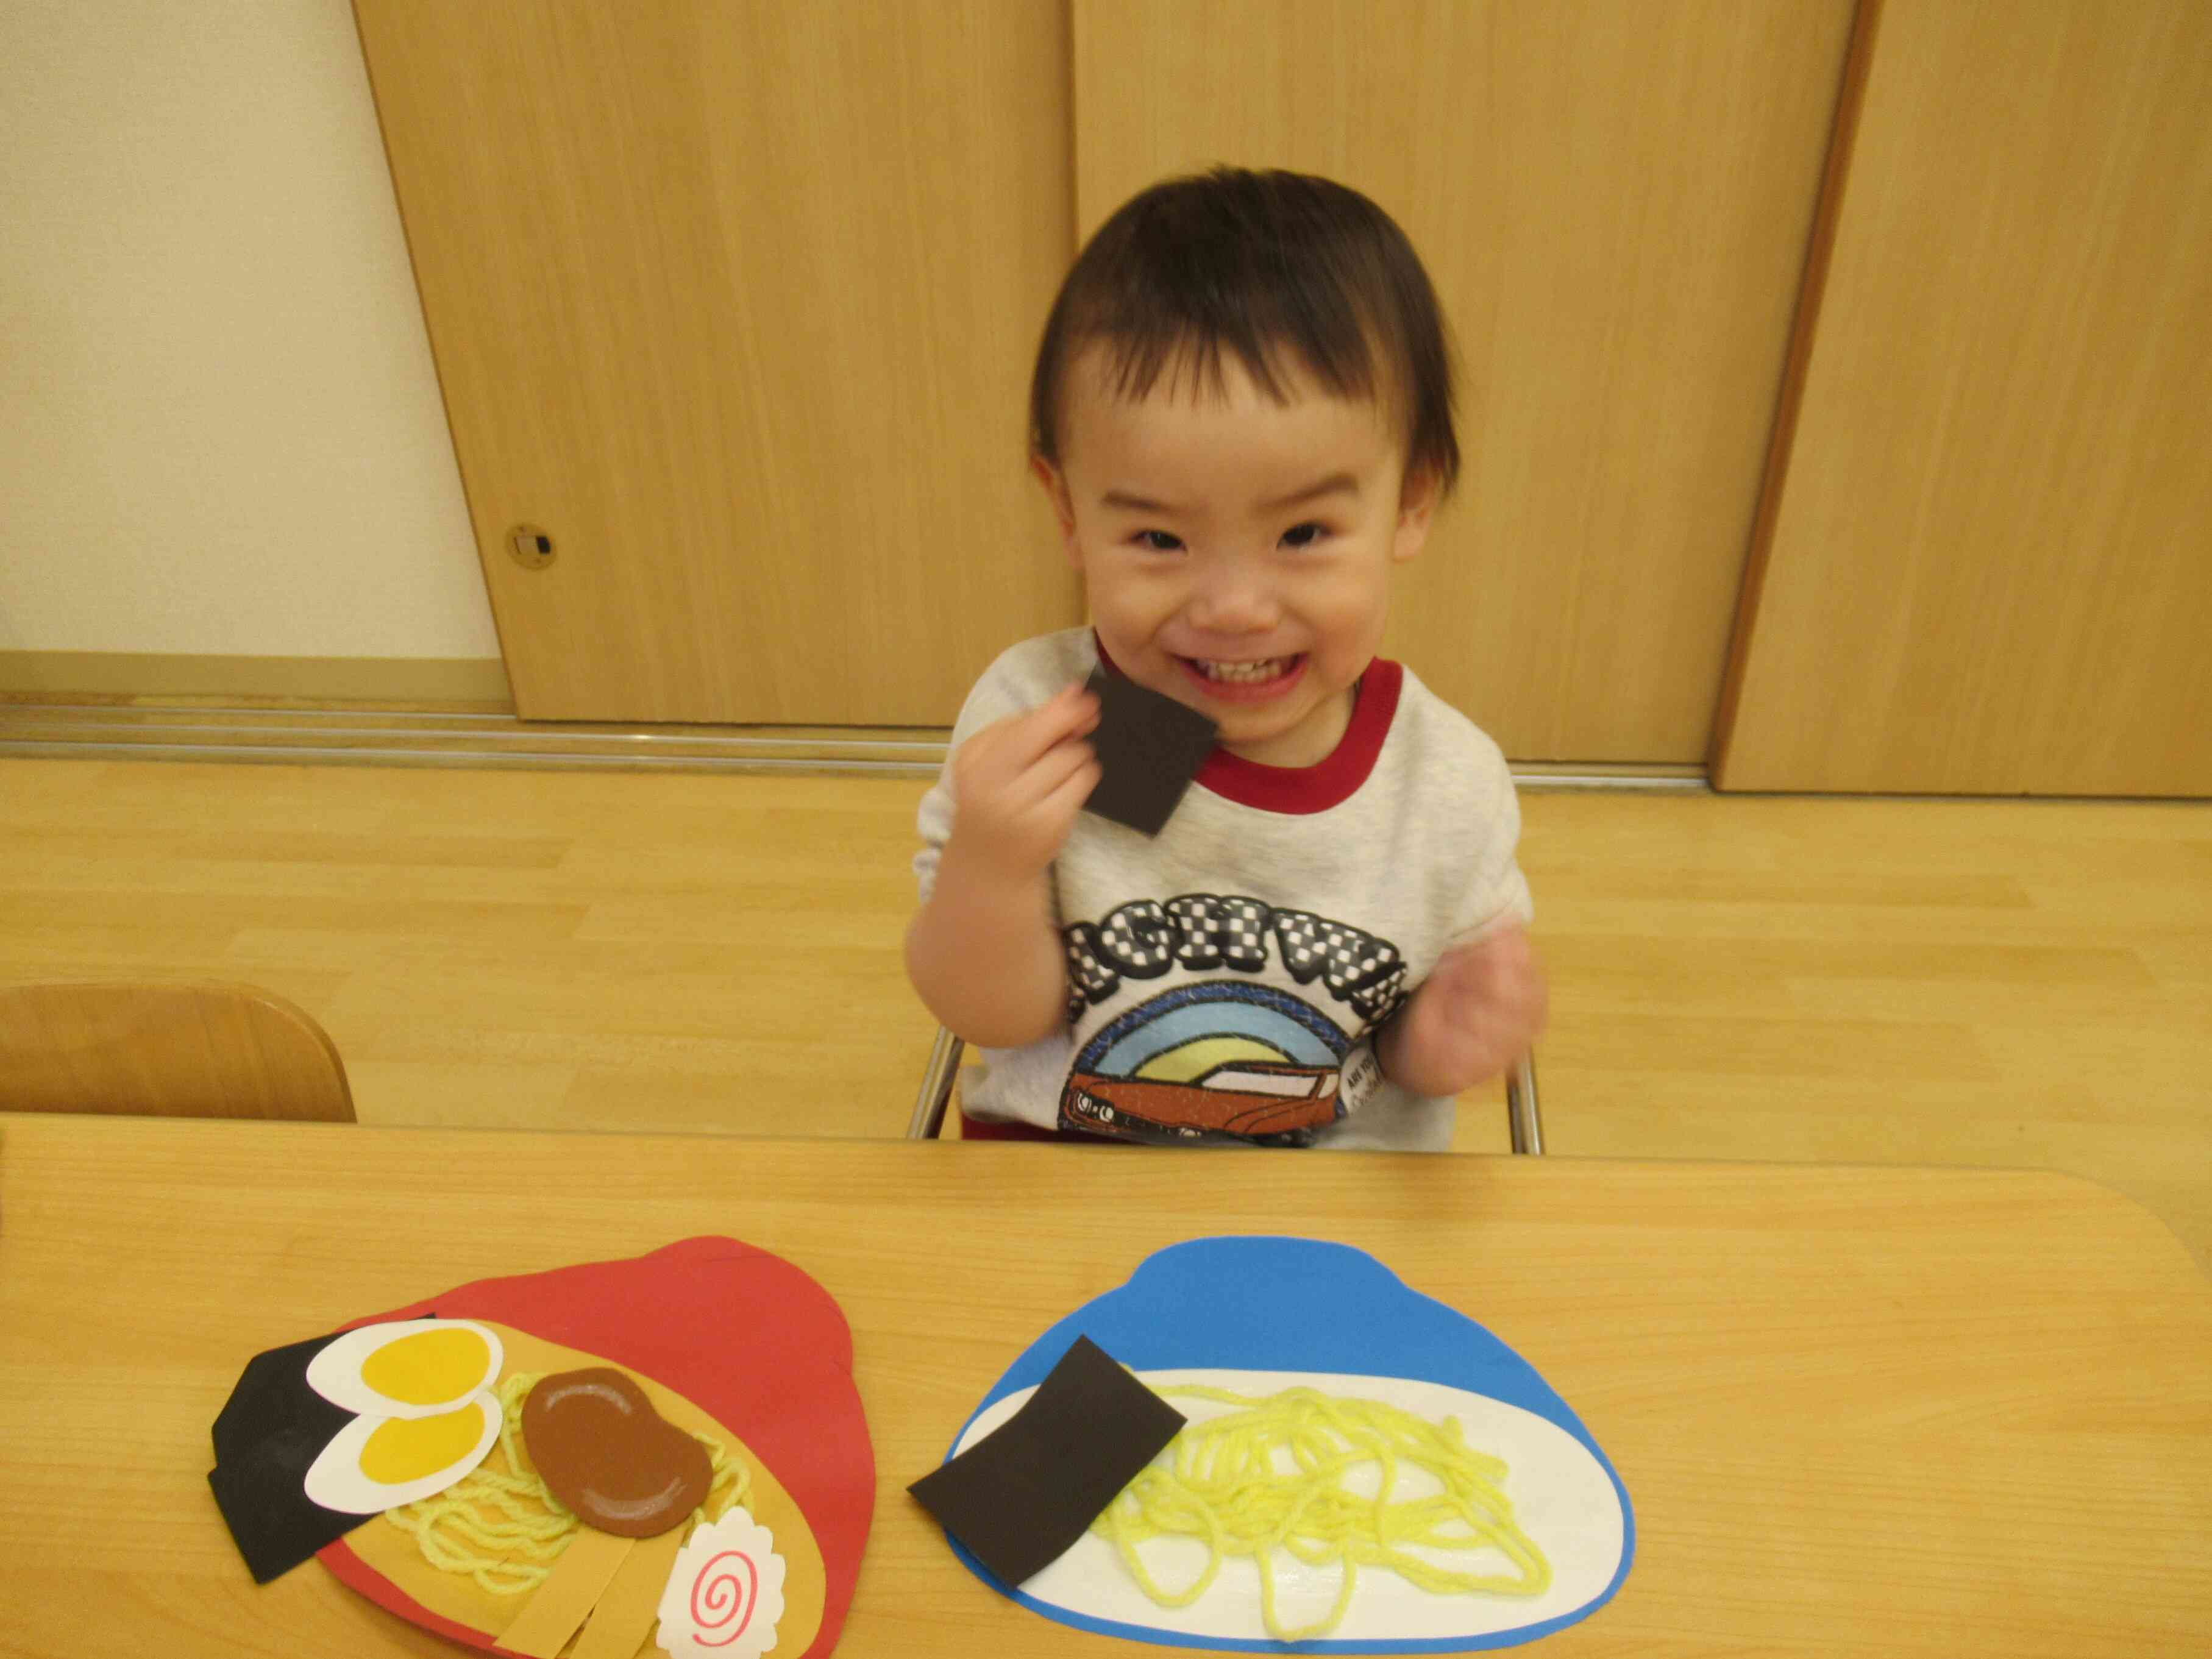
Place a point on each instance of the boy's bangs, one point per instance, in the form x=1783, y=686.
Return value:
x=1191, y=360
x=1301, y=280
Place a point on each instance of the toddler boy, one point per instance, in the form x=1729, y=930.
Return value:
x=1241, y=410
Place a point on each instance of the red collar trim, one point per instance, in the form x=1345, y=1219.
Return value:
x=1300, y=790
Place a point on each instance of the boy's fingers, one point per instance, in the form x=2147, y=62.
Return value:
x=1473, y=964
x=1512, y=975
x=1503, y=964
x=1001, y=753
x=1066, y=800
x=1522, y=999
x=1501, y=941
x=1461, y=974
x=1507, y=942
x=1496, y=985
x=1054, y=767
x=1032, y=734
x=1523, y=1011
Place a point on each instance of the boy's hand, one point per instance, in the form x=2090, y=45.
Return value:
x=1018, y=784
x=1475, y=1015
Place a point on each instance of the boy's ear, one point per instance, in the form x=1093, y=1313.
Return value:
x=1417, y=498
x=1063, y=506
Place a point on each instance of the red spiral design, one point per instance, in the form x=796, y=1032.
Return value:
x=718, y=1597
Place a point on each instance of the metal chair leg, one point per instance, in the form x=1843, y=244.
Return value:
x=936, y=1090
x=1523, y=1117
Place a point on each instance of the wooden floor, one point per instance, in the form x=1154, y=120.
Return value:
x=2008, y=983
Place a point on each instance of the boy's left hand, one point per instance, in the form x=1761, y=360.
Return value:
x=1480, y=1010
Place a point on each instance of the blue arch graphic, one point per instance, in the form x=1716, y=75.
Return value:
x=1217, y=1008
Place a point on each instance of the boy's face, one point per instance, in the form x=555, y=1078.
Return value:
x=1236, y=551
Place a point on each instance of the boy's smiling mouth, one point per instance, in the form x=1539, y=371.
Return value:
x=1250, y=680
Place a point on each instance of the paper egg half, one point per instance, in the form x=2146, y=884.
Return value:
x=377, y=1463
x=406, y=1368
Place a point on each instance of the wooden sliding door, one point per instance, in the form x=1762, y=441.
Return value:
x=732, y=302
x=1991, y=568
x=1613, y=198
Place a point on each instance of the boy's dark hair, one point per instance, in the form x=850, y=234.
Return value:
x=1258, y=265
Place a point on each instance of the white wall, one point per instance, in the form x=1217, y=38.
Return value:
x=220, y=427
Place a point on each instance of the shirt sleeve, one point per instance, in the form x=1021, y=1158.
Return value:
x=1496, y=891
x=934, y=821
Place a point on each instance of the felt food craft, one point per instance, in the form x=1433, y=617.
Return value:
x=573, y=1445
x=1362, y=1469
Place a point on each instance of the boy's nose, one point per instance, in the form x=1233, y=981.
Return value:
x=1228, y=600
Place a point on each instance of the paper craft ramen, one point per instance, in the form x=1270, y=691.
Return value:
x=1364, y=1470
x=665, y=1455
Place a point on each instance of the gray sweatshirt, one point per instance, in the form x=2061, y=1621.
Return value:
x=1227, y=978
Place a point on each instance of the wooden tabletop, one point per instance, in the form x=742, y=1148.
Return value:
x=1892, y=1411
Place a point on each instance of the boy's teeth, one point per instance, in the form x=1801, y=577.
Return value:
x=1244, y=671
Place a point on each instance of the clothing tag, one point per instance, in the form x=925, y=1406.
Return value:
x=1359, y=1077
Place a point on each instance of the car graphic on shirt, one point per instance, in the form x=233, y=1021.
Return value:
x=1213, y=1059
x=1248, y=1099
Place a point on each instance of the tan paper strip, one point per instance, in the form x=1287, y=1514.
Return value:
x=565, y=1600
x=624, y=1616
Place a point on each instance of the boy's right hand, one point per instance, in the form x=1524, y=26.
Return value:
x=1018, y=784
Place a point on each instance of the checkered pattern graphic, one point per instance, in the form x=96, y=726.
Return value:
x=1219, y=931
x=1203, y=933
x=1139, y=939
x=1347, y=959
x=1088, y=979
x=1376, y=1003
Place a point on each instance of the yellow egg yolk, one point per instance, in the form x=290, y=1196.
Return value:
x=426, y=1367
x=406, y=1449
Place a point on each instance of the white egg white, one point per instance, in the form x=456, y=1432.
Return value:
x=336, y=1479
x=335, y=1372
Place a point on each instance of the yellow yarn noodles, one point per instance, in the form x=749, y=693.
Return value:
x=503, y=1529
x=1269, y=1476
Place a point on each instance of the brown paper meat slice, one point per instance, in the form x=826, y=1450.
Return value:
x=604, y=1452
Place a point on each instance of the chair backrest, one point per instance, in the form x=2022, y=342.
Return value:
x=167, y=1051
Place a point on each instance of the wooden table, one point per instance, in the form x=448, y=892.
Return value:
x=1892, y=1411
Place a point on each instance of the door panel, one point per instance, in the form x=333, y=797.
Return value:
x=1614, y=200
x=1991, y=569
x=736, y=302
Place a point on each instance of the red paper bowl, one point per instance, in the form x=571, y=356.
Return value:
x=744, y=1336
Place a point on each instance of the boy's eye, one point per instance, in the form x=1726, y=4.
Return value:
x=1159, y=541
x=1303, y=535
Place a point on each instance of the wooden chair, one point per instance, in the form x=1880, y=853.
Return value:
x=1524, y=1118
x=167, y=1051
